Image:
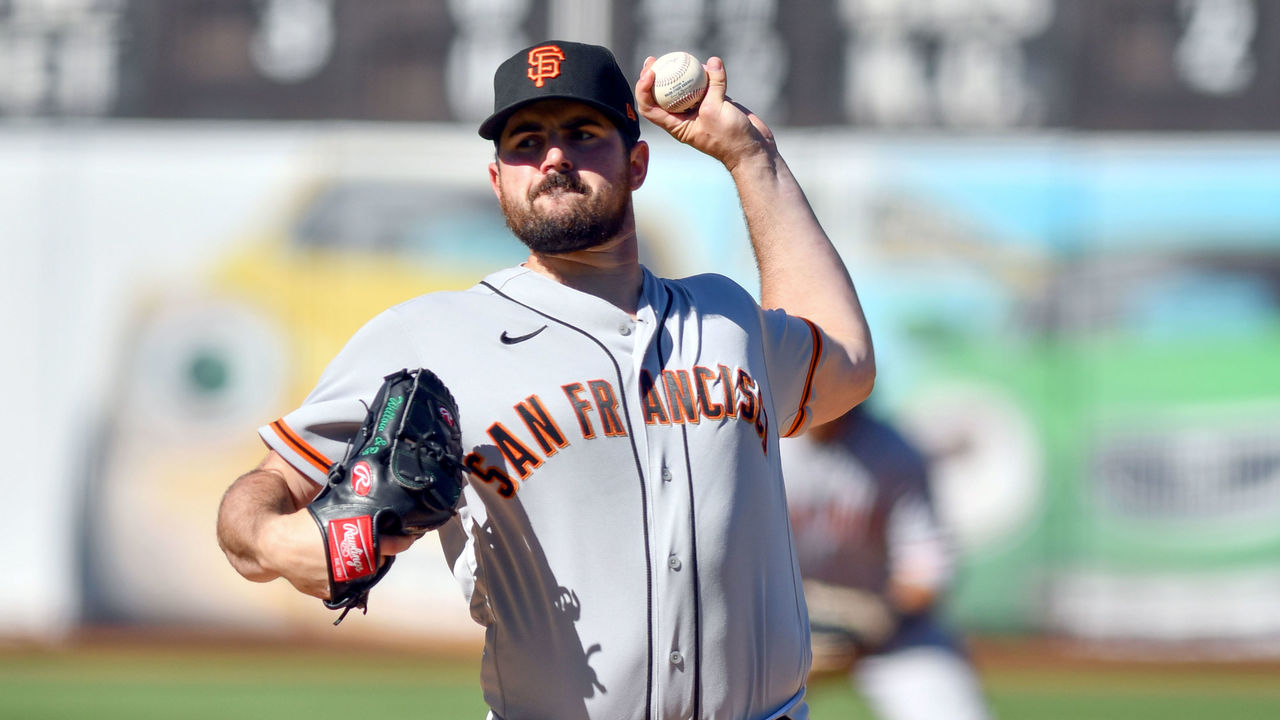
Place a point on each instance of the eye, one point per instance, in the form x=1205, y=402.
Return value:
x=524, y=142
x=204, y=368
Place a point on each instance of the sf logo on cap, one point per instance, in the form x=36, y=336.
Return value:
x=544, y=63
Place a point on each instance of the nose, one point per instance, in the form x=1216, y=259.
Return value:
x=556, y=159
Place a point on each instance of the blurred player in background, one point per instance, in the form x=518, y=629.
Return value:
x=876, y=562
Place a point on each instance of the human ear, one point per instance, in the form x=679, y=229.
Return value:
x=639, y=163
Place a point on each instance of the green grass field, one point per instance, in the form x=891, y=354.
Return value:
x=155, y=681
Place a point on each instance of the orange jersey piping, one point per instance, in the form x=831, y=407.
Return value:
x=300, y=446
x=808, y=381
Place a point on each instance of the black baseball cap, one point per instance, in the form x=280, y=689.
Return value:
x=562, y=70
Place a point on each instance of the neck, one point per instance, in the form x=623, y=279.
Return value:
x=610, y=271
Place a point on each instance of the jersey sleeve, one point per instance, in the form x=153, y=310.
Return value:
x=315, y=435
x=793, y=348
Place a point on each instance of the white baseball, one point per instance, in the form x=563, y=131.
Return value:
x=679, y=81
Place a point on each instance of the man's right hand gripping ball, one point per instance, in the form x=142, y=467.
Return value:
x=402, y=475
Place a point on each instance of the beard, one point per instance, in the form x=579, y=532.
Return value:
x=597, y=217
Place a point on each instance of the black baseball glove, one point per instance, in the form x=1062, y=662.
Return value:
x=402, y=475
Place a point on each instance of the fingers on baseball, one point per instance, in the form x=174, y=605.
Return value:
x=646, y=102
x=715, y=95
x=717, y=78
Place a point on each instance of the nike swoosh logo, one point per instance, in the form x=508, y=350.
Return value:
x=508, y=340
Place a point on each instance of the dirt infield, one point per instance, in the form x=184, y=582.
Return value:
x=995, y=654
x=1062, y=654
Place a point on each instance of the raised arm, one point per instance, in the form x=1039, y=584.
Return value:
x=800, y=271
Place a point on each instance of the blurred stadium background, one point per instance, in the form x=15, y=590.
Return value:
x=1063, y=218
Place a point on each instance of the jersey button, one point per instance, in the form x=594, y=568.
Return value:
x=624, y=330
x=673, y=562
x=666, y=475
x=676, y=657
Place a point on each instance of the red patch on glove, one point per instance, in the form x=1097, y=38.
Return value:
x=351, y=548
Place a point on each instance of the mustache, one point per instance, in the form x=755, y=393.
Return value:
x=559, y=181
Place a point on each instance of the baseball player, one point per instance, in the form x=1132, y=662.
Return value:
x=623, y=537
x=876, y=562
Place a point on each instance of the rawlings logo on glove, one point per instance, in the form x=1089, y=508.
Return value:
x=402, y=475
x=351, y=556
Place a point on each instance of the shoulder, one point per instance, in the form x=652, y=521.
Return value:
x=417, y=312
x=710, y=290
x=708, y=282
x=441, y=305
x=418, y=326
x=437, y=301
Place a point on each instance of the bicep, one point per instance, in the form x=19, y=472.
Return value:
x=840, y=382
x=814, y=377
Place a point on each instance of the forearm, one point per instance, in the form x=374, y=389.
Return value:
x=801, y=273
x=266, y=533
x=790, y=245
x=245, y=517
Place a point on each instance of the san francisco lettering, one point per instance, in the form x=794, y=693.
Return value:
x=675, y=397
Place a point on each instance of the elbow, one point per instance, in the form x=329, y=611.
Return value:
x=237, y=558
x=234, y=531
x=249, y=568
x=254, y=574
x=862, y=378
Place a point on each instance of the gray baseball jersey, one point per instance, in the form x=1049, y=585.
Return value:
x=624, y=537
